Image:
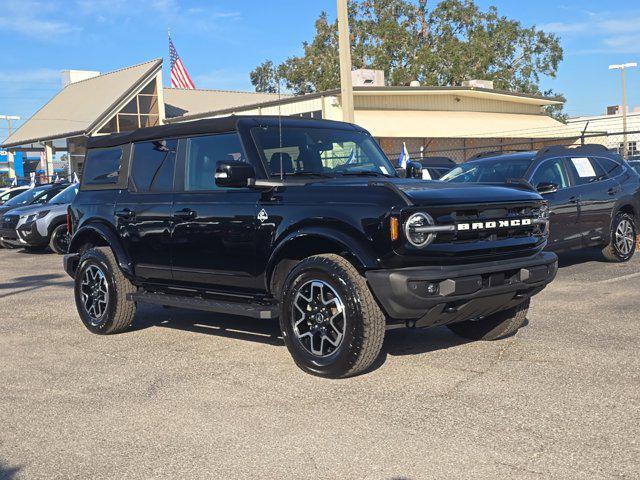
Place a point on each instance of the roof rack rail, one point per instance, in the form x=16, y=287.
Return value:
x=561, y=149
x=494, y=153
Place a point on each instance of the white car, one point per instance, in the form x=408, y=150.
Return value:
x=8, y=193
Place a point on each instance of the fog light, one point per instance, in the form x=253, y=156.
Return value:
x=432, y=288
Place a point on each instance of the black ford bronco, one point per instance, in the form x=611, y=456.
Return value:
x=302, y=220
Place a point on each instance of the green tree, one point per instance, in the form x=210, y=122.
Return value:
x=444, y=45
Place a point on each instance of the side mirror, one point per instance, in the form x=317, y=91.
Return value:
x=232, y=174
x=414, y=170
x=546, y=187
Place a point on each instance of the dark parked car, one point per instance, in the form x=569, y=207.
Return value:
x=304, y=220
x=433, y=168
x=594, y=196
x=33, y=196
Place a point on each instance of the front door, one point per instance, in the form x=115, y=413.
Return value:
x=563, y=204
x=143, y=210
x=214, y=237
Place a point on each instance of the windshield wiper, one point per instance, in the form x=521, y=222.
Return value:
x=367, y=173
x=302, y=174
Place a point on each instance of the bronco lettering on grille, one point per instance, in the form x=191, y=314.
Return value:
x=493, y=224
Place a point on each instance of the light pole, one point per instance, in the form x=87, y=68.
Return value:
x=622, y=68
x=8, y=118
x=344, y=47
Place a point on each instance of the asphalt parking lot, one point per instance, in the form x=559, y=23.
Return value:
x=190, y=395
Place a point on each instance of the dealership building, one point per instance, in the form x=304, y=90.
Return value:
x=457, y=122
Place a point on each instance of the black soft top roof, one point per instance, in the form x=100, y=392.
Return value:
x=209, y=126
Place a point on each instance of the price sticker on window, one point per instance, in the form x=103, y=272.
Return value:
x=583, y=167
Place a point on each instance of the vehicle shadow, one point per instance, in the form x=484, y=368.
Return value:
x=30, y=283
x=6, y=472
x=574, y=257
x=227, y=326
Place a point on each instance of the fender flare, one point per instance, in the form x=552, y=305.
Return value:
x=364, y=256
x=110, y=238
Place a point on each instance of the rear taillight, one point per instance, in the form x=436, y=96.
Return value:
x=68, y=222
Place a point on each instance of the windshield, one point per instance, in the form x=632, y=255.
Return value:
x=65, y=196
x=26, y=197
x=489, y=171
x=320, y=151
x=635, y=165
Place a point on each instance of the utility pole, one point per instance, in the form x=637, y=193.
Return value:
x=622, y=68
x=9, y=118
x=344, y=47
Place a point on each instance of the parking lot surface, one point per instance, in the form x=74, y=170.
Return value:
x=193, y=395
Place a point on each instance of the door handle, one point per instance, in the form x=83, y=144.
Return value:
x=125, y=214
x=613, y=190
x=573, y=199
x=185, y=214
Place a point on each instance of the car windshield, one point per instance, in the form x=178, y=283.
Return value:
x=635, y=165
x=26, y=197
x=489, y=171
x=320, y=151
x=65, y=196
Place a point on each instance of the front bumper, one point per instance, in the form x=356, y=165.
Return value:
x=10, y=236
x=29, y=234
x=438, y=295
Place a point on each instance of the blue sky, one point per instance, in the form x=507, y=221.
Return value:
x=221, y=41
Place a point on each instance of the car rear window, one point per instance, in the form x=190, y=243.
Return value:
x=102, y=166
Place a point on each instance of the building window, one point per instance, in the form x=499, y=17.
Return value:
x=141, y=111
x=632, y=148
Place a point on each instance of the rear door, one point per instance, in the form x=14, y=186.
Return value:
x=214, y=234
x=563, y=204
x=144, y=209
x=597, y=193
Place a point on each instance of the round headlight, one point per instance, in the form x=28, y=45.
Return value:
x=412, y=229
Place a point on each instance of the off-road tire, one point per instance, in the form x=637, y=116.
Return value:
x=364, y=326
x=119, y=312
x=611, y=252
x=54, y=241
x=6, y=245
x=499, y=325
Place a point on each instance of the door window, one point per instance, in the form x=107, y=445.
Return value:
x=551, y=171
x=102, y=166
x=153, y=166
x=585, y=170
x=203, y=153
x=611, y=167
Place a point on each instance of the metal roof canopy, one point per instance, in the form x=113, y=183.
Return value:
x=81, y=107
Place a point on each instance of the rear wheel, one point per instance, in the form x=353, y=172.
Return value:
x=623, y=239
x=330, y=322
x=499, y=325
x=101, y=292
x=59, y=242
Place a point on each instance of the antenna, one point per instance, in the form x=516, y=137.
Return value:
x=280, y=130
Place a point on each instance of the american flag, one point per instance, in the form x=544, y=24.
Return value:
x=179, y=76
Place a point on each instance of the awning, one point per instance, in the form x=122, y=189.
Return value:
x=439, y=124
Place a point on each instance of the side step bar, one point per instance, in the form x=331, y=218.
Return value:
x=253, y=310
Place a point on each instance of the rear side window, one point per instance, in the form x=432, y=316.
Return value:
x=611, y=167
x=203, y=153
x=102, y=166
x=153, y=166
x=585, y=170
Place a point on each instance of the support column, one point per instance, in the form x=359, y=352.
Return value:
x=11, y=164
x=48, y=158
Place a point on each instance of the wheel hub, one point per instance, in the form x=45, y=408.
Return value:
x=318, y=318
x=94, y=292
x=624, y=237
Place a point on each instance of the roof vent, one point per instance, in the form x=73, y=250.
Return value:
x=367, y=78
x=72, y=76
x=488, y=84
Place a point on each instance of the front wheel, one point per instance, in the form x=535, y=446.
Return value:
x=623, y=239
x=101, y=292
x=59, y=242
x=499, y=325
x=330, y=322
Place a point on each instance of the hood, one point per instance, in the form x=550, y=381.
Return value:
x=25, y=209
x=440, y=193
